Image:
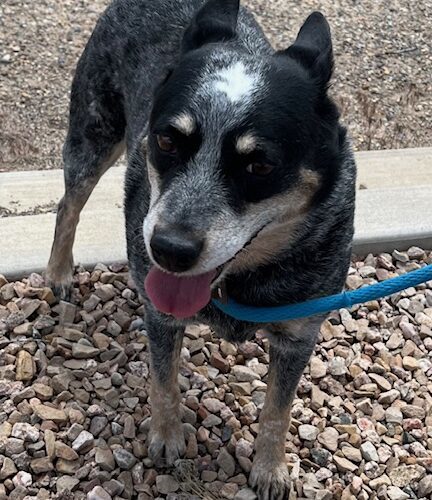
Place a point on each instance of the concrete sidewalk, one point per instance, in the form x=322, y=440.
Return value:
x=393, y=211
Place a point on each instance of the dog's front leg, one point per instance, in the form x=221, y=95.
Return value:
x=290, y=350
x=166, y=436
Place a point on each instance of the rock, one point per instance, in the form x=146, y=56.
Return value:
x=26, y=432
x=318, y=369
x=83, y=351
x=395, y=341
x=376, y=483
x=41, y=465
x=226, y=462
x=425, y=487
x=410, y=363
x=344, y=465
x=13, y=446
x=66, y=312
x=129, y=427
x=308, y=432
x=329, y=438
x=369, y=452
x=48, y=413
x=412, y=411
x=245, y=494
x=211, y=421
x=320, y=456
x=352, y=454
x=50, y=439
x=124, y=459
x=395, y=493
x=42, y=391
x=213, y=405
x=8, y=469
x=64, y=451
x=83, y=441
x=244, y=374
x=5, y=430
x=22, y=479
x=24, y=366
x=337, y=366
x=219, y=362
x=387, y=398
x=243, y=448
x=98, y=493
x=166, y=484
x=66, y=483
x=382, y=382
x=105, y=459
x=404, y=475
x=393, y=415
x=416, y=253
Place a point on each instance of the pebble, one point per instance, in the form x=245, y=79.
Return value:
x=124, y=459
x=226, y=462
x=48, y=413
x=369, y=452
x=404, y=475
x=25, y=367
x=344, y=465
x=329, y=438
x=308, y=432
x=318, y=369
x=83, y=441
x=8, y=469
x=395, y=493
x=166, y=484
x=98, y=493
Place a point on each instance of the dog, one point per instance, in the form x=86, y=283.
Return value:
x=240, y=183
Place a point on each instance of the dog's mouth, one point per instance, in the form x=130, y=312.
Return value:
x=184, y=296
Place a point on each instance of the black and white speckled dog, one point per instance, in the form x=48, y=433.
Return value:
x=240, y=178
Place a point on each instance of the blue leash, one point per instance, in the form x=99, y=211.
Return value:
x=325, y=304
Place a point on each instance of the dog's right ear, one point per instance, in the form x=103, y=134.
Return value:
x=216, y=21
x=313, y=47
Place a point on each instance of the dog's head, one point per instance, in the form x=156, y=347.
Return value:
x=240, y=147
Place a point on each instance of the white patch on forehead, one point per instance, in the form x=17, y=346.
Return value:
x=235, y=82
x=184, y=123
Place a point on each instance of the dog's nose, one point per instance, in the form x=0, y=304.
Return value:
x=175, y=250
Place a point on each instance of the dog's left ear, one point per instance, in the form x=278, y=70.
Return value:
x=313, y=47
x=216, y=21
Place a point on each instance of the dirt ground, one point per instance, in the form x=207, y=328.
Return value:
x=382, y=79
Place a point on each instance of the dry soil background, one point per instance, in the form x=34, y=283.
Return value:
x=382, y=81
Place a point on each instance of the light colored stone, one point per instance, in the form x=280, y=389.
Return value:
x=48, y=413
x=166, y=484
x=404, y=475
x=344, y=465
x=25, y=368
x=83, y=441
x=308, y=432
x=318, y=369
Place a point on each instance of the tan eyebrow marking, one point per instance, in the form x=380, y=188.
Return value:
x=184, y=123
x=246, y=143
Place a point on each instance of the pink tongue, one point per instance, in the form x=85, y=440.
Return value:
x=180, y=296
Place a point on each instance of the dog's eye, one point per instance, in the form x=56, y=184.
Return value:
x=260, y=169
x=166, y=144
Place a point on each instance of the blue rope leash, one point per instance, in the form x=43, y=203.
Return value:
x=325, y=304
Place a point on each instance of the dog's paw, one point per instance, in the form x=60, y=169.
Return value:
x=166, y=445
x=60, y=285
x=270, y=482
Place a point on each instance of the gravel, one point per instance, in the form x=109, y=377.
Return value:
x=382, y=80
x=75, y=425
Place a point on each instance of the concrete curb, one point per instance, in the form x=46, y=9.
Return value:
x=393, y=211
